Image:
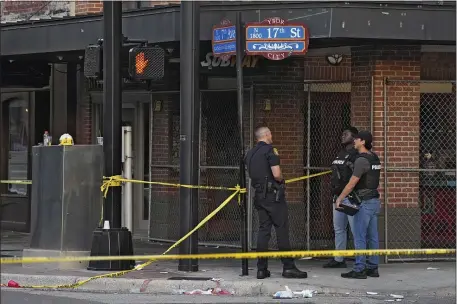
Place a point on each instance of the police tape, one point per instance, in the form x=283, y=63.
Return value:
x=20, y=182
x=235, y=255
x=152, y=259
x=117, y=180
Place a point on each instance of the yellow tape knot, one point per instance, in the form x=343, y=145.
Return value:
x=113, y=181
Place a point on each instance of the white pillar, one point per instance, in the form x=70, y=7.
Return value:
x=127, y=199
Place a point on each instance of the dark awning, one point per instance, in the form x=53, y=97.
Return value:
x=325, y=20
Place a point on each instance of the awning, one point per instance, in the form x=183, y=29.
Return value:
x=398, y=21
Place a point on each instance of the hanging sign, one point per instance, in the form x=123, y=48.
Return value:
x=224, y=40
x=276, y=39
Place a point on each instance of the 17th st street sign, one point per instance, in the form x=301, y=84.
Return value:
x=276, y=39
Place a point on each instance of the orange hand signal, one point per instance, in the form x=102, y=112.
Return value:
x=140, y=63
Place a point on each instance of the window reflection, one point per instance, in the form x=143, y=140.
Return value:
x=18, y=144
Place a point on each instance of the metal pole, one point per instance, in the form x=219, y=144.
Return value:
x=240, y=88
x=112, y=92
x=308, y=164
x=251, y=142
x=189, y=129
x=386, y=259
x=151, y=128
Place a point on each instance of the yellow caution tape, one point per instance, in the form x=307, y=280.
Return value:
x=20, y=182
x=138, y=267
x=115, y=181
x=235, y=255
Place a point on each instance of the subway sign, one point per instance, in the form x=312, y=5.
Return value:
x=217, y=62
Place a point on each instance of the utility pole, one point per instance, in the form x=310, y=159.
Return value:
x=189, y=129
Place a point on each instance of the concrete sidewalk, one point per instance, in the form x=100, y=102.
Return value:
x=163, y=278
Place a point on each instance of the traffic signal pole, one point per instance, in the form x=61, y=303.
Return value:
x=113, y=240
x=189, y=130
x=112, y=94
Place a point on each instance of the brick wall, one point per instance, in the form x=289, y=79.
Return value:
x=317, y=68
x=88, y=7
x=401, y=63
x=286, y=118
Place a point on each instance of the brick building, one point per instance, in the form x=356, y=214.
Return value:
x=401, y=86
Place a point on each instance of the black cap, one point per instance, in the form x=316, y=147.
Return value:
x=353, y=130
x=367, y=137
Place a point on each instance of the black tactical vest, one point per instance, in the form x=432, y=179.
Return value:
x=367, y=187
x=342, y=168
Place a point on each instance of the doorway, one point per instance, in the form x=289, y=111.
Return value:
x=134, y=114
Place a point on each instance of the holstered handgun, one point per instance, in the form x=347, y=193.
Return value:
x=279, y=192
x=354, y=198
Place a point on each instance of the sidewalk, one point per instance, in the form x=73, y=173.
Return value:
x=161, y=277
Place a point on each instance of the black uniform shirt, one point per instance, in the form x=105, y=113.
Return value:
x=259, y=161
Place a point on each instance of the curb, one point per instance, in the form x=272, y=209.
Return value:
x=252, y=288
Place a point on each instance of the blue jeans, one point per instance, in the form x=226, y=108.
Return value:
x=340, y=224
x=365, y=231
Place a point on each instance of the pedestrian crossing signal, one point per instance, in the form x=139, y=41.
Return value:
x=146, y=63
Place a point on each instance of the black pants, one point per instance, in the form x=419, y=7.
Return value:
x=270, y=214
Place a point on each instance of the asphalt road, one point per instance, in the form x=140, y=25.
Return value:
x=77, y=297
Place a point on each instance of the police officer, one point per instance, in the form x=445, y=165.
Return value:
x=342, y=168
x=263, y=166
x=365, y=183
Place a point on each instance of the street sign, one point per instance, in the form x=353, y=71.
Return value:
x=224, y=40
x=276, y=39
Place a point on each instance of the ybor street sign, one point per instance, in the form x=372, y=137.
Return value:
x=276, y=39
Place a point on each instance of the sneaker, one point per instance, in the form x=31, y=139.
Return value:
x=335, y=264
x=373, y=273
x=354, y=275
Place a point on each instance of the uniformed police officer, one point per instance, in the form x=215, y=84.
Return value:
x=263, y=166
x=365, y=182
x=342, y=168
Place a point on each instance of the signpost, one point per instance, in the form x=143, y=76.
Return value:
x=276, y=39
x=224, y=40
x=226, y=43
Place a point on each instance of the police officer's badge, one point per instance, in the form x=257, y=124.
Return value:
x=275, y=151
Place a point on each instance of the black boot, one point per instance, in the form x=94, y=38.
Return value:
x=294, y=273
x=354, y=275
x=335, y=264
x=262, y=274
x=372, y=273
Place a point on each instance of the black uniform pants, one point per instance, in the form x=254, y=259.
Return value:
x=270, y=214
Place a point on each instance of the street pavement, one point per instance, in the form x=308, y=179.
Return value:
x=40, y=297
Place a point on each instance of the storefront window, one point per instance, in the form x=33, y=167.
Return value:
x=18, y=145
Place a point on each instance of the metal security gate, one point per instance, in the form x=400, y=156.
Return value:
x=420, y=168
x=322, y=109
x=219, y=164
